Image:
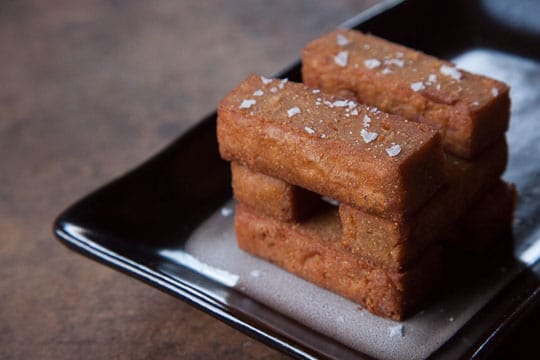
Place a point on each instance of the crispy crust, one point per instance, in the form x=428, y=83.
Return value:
x=321, y=148
x=394, y=244
x=471, y=112
x=271, y=196
x=312, y=250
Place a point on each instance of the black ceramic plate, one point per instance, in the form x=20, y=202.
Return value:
x=128, y=223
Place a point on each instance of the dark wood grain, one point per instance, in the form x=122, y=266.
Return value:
x=89, y=89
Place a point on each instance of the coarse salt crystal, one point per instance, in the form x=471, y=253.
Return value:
x=293, y=111
x=372, y=63
x=247, y=103
x=282, y=83
x=494, y=91
x=417, y=86
x=273, y=89
x=432, y=78
x=366, y=121
x=354, y=112
x=258, y=93
x=323, y=136
x=393, y=150
x=386, y=71
x=342, y=58
x=226, y=211
x=309, y=130
x=450, y=71
x=368, y=136
x=396, y=331
x=341, y=40
x=315, y=91
x=265, y=80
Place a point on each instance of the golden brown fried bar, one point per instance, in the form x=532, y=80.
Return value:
x=313, y=251
x=394, y=244
x=270, y=196
x=333, y=147
x=471, y=111
x=488, y=221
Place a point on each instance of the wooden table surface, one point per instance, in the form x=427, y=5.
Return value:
x=88, y=90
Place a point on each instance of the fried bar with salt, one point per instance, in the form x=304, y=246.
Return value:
x=471, y=111
x=313, y=251
x=377, y=162
x=395, y=244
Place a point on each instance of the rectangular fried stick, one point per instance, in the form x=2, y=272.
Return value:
x=377, y=162
x=313, y=251
x=395, y=244
x=471, y=111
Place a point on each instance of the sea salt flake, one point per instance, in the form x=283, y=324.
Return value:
x=397, y=331
x=372, y=63
x=309, y=130
x=247, y=103
x=352, y=104
x=266, y=80
x=397, y=62
x=293, y=111
x=417, y=86
x=368, y=136
x=341, y=103
x=494, y=91
x=226, y=211
x=341, y=40
x=366, y=121
x=282, y=83
x=258, y=93
x=393, y=150
x=342, y=58
x=450, y=71
x=432, y=78
x=315, y=91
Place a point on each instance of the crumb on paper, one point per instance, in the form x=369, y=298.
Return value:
x=226, y=211
x=255, y=273
x=397, y=331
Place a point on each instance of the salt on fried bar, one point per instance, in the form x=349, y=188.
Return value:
x=353, y=153
x=487, y=222
x=313, y=251
x=396, y=243
x=271, y=196
x=471, y=111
